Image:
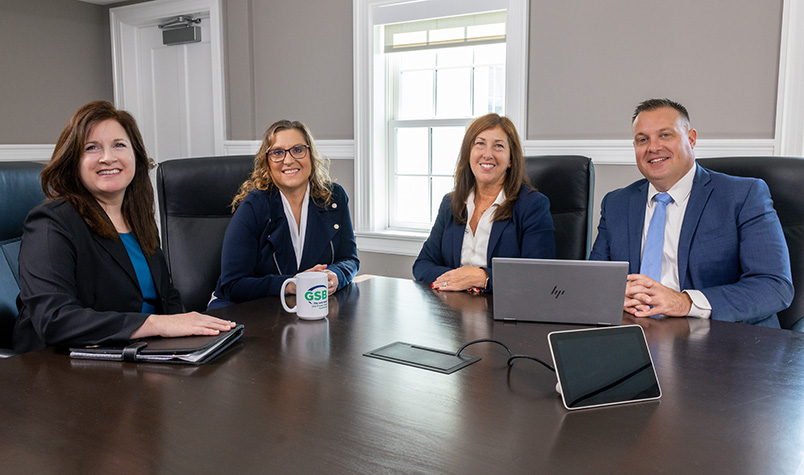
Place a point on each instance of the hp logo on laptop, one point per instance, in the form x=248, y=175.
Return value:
x=558, y=293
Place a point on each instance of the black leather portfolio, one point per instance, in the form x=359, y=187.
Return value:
x=193, y=350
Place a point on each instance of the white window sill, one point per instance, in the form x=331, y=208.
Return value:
x=391, y=242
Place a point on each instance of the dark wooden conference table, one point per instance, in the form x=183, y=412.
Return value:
x=300, y=397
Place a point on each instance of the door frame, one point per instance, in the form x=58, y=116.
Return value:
x=125, y=25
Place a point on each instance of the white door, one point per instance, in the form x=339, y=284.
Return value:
x=174, y=92
x=176, y=87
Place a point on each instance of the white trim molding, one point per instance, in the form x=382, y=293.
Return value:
x=241, y=147
x=790, y=100
x=397, y=243
x=621, y=152
x=332, y=149
x=26, y=152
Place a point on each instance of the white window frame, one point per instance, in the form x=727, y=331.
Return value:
x=371, y=195
x=790, y=101
x=396, y=123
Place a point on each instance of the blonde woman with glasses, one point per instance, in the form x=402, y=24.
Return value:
x=289, y=217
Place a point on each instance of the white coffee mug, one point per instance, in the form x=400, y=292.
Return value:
x=312, y=298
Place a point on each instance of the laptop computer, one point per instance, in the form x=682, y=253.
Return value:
x=559, y=291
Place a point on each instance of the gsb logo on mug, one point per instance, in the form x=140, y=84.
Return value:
x=316, y=296
x=311, y=295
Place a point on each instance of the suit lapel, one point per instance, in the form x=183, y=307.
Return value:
x=117, y=250
x=635, y=226
x=497, y=229
x=456, y=231
x=321, y=228
x=279, y=235
x=701, y=190
x=156, y=275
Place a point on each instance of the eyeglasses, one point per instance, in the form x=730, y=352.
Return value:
x=278, y=154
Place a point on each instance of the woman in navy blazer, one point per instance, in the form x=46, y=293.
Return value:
x=492, y=212
x=289, y=217
x=91, y=271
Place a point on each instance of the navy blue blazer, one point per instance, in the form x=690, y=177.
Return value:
x=731, y=246
x=77, y=288
x=528, y=233
x=258, y=255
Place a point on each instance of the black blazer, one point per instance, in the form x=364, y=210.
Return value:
x=77, y=288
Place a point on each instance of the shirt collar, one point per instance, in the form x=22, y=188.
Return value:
x=680, y=192
x=470, y=202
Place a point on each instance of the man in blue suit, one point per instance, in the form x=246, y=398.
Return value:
x=723, y=254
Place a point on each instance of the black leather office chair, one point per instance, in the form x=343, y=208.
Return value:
x=569, y=182
x=194, y=198
x=20, y=190
x=784, y=176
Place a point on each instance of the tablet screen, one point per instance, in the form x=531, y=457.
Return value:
x=603, y=366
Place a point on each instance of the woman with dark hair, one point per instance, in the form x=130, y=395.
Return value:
x=492, y=212
x=289, y=217
x=91, y=271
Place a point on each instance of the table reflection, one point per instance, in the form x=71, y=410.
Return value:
x=663, y=328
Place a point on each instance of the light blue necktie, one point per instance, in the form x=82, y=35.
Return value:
x=652, y=254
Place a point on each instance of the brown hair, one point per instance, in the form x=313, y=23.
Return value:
x=61, y=177
x=261, y=179
x=515, y=176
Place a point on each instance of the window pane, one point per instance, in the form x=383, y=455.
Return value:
x=453, y=92
x=417, y=60
x=489, y=90
x=412, y=199
x=490, y=54
x=415, y=94
x=411, y=150
x=446, y=147
x=461, y=56
x=441, y=186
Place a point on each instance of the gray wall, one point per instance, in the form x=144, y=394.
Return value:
x=55, y=56
x=591, y=62
x=289, y=60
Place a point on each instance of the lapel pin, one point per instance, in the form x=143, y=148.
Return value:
x=337, y=226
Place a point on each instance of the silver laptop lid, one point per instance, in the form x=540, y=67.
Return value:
x=559, y=290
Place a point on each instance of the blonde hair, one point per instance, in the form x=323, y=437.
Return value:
x=261, y=179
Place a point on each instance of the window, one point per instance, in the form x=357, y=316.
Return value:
x=423, y=71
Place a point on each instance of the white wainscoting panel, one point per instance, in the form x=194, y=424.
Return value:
x=26, y=152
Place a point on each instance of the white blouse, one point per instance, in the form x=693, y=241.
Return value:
x=297, y=234
x=474, y=251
